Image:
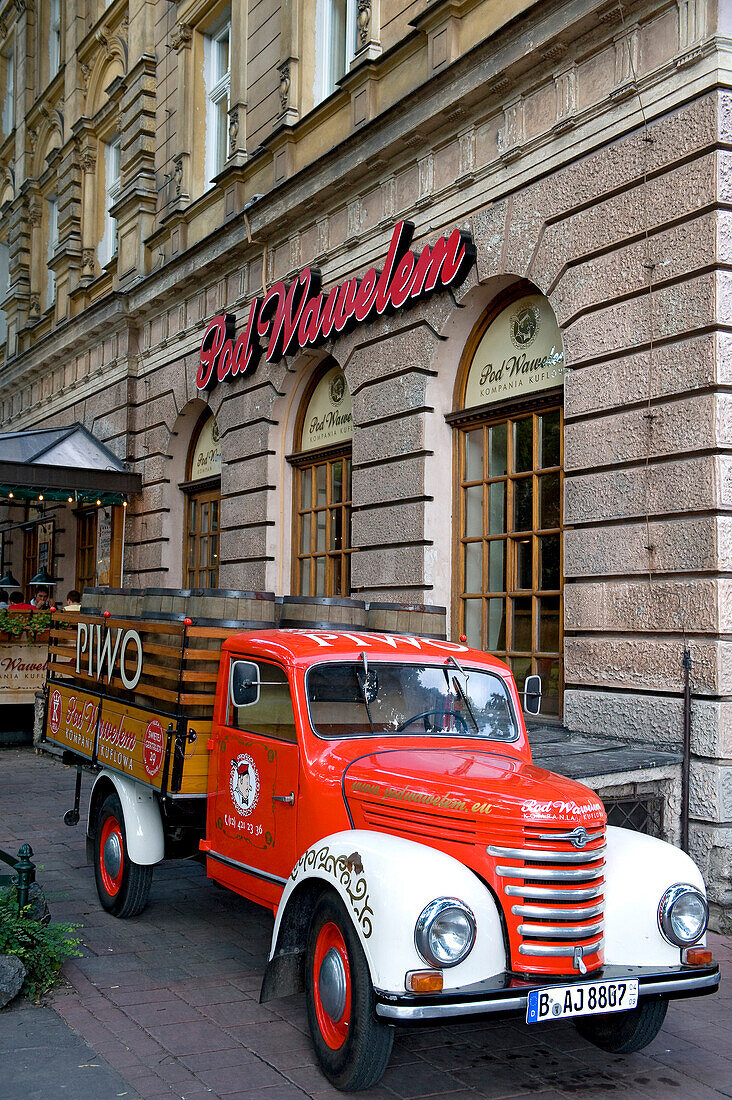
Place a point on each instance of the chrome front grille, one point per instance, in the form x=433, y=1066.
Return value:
x=554, y=893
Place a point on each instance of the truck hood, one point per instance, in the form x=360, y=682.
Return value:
x=483, y=787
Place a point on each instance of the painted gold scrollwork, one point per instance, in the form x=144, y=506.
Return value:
x=348, y=871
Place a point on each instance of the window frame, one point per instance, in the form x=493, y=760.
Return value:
x=54, y=38
x=217, y=90
x=203, y=490
x=51, y=246
x=231, y=711
x=107, y=247
x=7, y=119
x=325, y=67
x=86, y=544
x=485, y=417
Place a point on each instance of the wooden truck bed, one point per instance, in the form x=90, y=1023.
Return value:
x=155, y=731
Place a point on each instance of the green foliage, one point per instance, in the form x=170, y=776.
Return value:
x=31, y=623
x=41, y=948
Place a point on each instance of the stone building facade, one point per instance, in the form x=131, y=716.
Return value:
x=163, y=164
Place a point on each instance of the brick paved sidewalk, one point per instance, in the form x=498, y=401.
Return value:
x=170, y=999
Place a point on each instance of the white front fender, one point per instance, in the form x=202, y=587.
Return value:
x=143, y=824
x=638, y=871
x=385, y=882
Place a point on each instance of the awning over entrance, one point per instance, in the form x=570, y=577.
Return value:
x=67, y=464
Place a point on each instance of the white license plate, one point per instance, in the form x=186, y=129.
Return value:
x=558, y=1002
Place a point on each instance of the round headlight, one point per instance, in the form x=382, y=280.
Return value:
x=683, y=914
x=445, y=932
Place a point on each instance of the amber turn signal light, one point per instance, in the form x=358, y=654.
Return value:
x=697, y=956
x=424, y=981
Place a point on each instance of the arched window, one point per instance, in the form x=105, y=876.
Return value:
x=509, y=445
x=322, y=487
x=203, y=503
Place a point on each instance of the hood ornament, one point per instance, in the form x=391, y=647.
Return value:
x=579, y=837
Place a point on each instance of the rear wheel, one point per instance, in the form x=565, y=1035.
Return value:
x=624, y=1032
x=123, y=886
x=352, y=1046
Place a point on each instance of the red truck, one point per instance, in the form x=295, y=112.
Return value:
x=377, y=793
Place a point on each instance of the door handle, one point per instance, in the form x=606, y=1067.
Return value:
x=288, y=798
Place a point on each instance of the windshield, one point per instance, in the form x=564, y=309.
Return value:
x=348, y=700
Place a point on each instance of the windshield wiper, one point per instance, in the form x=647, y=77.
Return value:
x=462, y=693
x=364, y=689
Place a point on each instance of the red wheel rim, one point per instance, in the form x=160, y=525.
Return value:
x=111, y=855
x=334, y=1031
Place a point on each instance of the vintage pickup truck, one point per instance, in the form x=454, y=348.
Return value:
x=377, y=793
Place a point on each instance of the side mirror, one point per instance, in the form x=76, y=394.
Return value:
x=532, y=694
x=245, y=683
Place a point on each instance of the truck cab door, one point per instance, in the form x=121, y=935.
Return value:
x=253, y=776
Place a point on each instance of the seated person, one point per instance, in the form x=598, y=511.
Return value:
x=17, y=602
x=73, y=601
x=40, y=600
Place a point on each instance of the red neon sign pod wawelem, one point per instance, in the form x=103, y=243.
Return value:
x=290, y=318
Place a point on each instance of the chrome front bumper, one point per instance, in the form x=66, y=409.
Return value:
x=509, y=994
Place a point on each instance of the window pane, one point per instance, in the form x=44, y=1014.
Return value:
x=214, y=549
x=473, y=612
x=337, y=579
x=549, y=624
x=549, y=439
x=336, y=529
x=193, y=515
x=305, y=534
x=306, y=488
x=320, y=576
x=204, y=517
x=549, y=561
x=305, y=577
x=521, y=668
x=474, y=511
x=203, y=553
x=497, y=508
x=497, y=448
x=474, y=455
x=497, y=566
x=523, y=444
x=336, y=482
x=214, y=515
x=473, y=567
x=522, y=504
x=549, y=670
x=320, y=525
x=222, y=131
x=524, y=572
x=496, y=625
x=549, y=501
x=522, y=635
x=321, y=473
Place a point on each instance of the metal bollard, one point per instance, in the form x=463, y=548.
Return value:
x=26, y=871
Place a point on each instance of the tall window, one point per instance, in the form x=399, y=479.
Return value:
x=203, y=505
x=52, y=243
x=510, y=458
x=7, y=58
x=335, y=43
x=218, y=81
x=86, y=550
x=322, y=488
x=108, y=243
x=54, y=37
x=4, y=288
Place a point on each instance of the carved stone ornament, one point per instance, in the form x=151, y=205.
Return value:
x=181, y=37
x=363, y=21
x=87, y=159
x=32, y=139
x=178, y=174
x=34, y=307
x=87, y=260
x=233, y=129
x=3, y=28
x=35, y=213
x=285, y=84
x=84, y=74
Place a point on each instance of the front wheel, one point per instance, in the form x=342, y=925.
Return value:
x=123, y=886
x=352, y=1046
x=624, y=1032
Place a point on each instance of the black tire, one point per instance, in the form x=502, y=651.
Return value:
x=122, y=891
x=625, y=1032
x=361, y=1059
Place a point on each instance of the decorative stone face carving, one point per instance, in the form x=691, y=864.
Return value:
x=87, y=261
x=181, y=37
x=34, y=306
x=178, y=174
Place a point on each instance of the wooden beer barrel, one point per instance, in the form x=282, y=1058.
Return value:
x=320, y=613
x=408, y=618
